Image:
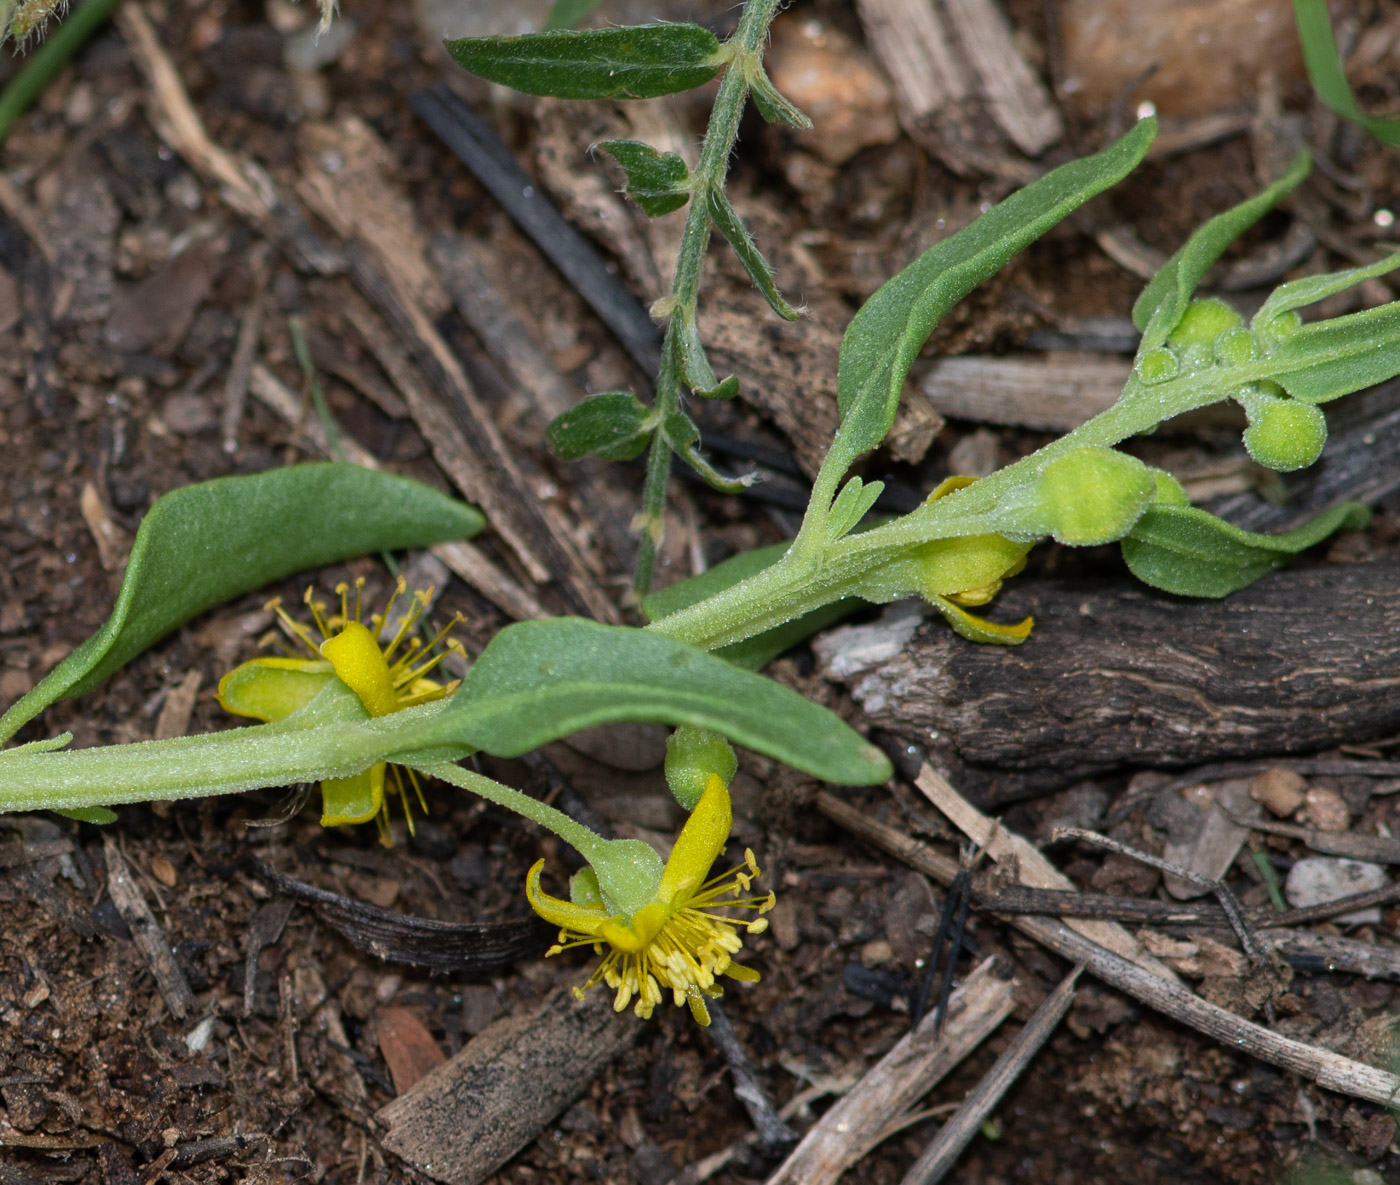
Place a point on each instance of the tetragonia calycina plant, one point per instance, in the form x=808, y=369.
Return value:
x=351, y=708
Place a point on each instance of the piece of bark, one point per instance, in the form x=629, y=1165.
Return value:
x=1117, y=675
x=1318, y=953
x=408, y=1048
x=146, y=931
x=921, y=1059
x=1213, y=849
x=465, y=1119
x=1055, y=392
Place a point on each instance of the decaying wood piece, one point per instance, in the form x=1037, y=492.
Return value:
x=1212, y=850
x=1115, y=675
x=922, y=1058
x=1327, y=1069
x=146, y=931
x=464, y=1120
x=1053, y=393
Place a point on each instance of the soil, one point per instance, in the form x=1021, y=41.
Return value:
x=118, y=322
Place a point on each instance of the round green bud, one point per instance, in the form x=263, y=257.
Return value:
x=1157, y=365
x=1169, y=492
x=1235, y=347
x=1093, y=495
x=583, y=888
x=692, y=755
x=1285, y=325
x=1204, y=321
x=1284, y=434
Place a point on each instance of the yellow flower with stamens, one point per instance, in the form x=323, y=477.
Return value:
x=679, y=941
x=385, y=678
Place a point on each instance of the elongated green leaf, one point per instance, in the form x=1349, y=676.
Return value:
x=885, y=337
x=656, y=181
x=1297, y=294
x=1327, y=74
x=773, y=105
x=731, y=226
x=1326, y=359
x=611, y=425
x=1186, y=551
x=851, y=505
x=636, y=62
x=540, y=680
x=205, y=543
x=695, y=363
x=1167, y=294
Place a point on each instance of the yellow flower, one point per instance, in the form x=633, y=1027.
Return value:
x=385, y=679
x=678, y=941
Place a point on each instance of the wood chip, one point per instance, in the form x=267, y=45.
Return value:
x=465, y=1119
x=1214, y=848
x=407, y=1046
x=896, y=1083
x=1053, y=393
x=146, y=932
x=113, y=543
x=174, y=718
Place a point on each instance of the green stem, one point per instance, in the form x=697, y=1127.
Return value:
x=49, y=59
x=589, y=844
x=709, y=174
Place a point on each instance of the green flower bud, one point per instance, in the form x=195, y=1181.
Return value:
x=1158, y=365
x=1203, y=321
x=1093, y=495
x=1170, y=492
x=584, y=890
x=1285, y=325
x=692, y=755
x=1235, y=347
x=1283, y=434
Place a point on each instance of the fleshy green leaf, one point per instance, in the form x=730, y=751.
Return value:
x=695, y=364
x=1327, y=74
x=886, y=335
x=203, y=544
x=540, y=680
x=1165, y=299
x=1186, y=551
x=731, y=226
x=658, y=182
x=1297, y=294
x=612, y=425
x=635, y=62
x=1323, y=360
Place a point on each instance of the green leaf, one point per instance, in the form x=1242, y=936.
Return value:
x=695, y=364
x=755, y=653
x=1297, y=294
x=1326, y=359
x=540, y=680
x=612, y=425
x=1186, y=551
x=634, y=62
x=1165, y=299
x=773, y=105
x=731, y=226
x=658, y=182
x=1327, y=74
x=203, y=544
x=569, y=14
x=680, y=431
x=886, y=335
x=90, y=814
x=851, y=505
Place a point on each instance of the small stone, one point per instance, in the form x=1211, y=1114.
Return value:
x=834, y=81
x=1278, y=789
x=1316, y=879
x=187, y=415
x=1325, y=809
x=163, y=871
x=876, y=952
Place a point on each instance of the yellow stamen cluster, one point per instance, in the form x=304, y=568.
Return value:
x=688, y=946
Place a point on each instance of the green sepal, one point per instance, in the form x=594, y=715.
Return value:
x=731, y=226
x=1189, y=552
x=634, y=62
x=1168, y=294
x=658, y=182
x=612, y=425
x=204, y=544
x=886, y=335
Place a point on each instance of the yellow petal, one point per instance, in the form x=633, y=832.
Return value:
x=352, y=800
x=565, y=914
x=979, y=629
x=271, y=689
x=701, y=840
x=356, y=657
